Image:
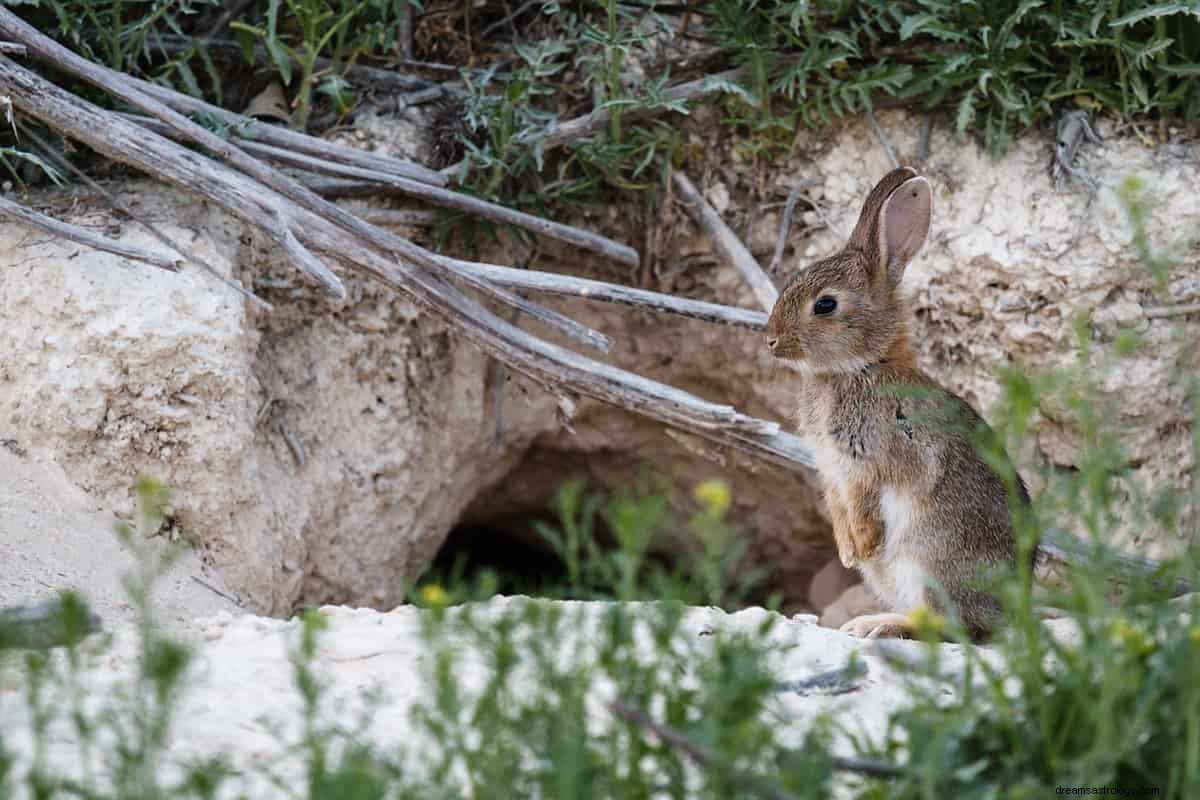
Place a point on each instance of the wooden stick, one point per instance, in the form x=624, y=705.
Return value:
x=563, y=324
x=585, y=240
x=726, y=241
x=124, y=208
x=74, y=233
x=703, y=756
x=882, y=139
x=569, y=286
x=398, y=216
x=785, y=222
x=244, y=127
x=1180, y=310
x=695, y=752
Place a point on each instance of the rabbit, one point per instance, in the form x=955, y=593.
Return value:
x=913, y=505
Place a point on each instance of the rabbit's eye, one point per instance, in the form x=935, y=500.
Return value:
x=824, y=306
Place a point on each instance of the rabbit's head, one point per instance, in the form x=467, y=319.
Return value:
x=844, y=312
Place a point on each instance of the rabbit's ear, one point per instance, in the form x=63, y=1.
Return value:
x=865, y=236
x=903, y=226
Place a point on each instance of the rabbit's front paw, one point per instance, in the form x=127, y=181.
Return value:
x=878, y=626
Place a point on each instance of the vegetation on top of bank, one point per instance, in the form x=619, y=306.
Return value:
x=507, y=74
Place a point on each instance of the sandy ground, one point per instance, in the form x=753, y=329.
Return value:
x=54, y=537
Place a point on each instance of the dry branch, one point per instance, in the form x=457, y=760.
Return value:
x=726, y=241
x=82, y=236
x=244, y=127
x=585, y=240
x=255, y=202
x=785, y=222
x=704, y=757
x=568, y=286
x=51, y=153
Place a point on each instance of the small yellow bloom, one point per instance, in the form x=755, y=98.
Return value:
x=925, y=620
x=714, y=495
x=432, y=594
x=1132, y=638
x=1194, y=634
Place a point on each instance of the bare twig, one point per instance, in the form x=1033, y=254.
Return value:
x=695, y=752
x=398, y=216
x=14, y=49
x=569, y=286
x=404, y=30
x=122, y=207
x=1060, y=547
x=1071, y=131
x=48, y=624
x=244, y=127
x=586, y=240
x=726, y=241
x=923, y=140
x=1180, y=310
x=74, y=233
x=882, y=139
x=508, y=18
x=704, y=757
x=785, y=222
x=621, y=253
x=216, y=591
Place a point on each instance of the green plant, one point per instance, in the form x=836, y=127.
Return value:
x=300, y=32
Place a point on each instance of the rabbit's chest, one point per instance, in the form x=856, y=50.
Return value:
x=840, y=436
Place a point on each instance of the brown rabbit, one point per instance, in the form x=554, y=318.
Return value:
x=913, y=505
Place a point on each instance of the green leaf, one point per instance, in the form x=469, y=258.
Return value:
x=1159, y=10
x=280, y=58
x=966, y=112
x=1181, y=69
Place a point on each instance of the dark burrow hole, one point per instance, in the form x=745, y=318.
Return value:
x=513, y=553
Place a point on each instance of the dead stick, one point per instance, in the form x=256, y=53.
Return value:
x=586, y=240
x=1183, y=309
x=726, y=241
x=587, y=289
x=882, y=139
x=244, y=127
x=123, y=208
x=705, y=757
x=74, y=233
x=621, y=253
x=785, y=222
x=695, y=752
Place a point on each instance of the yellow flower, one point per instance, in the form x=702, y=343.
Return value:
x=714, y=495
x=1194, y=634
x=434, y=595
x=1132, y=638
x=925, y=620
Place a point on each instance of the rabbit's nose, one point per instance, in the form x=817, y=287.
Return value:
x=772, y=342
